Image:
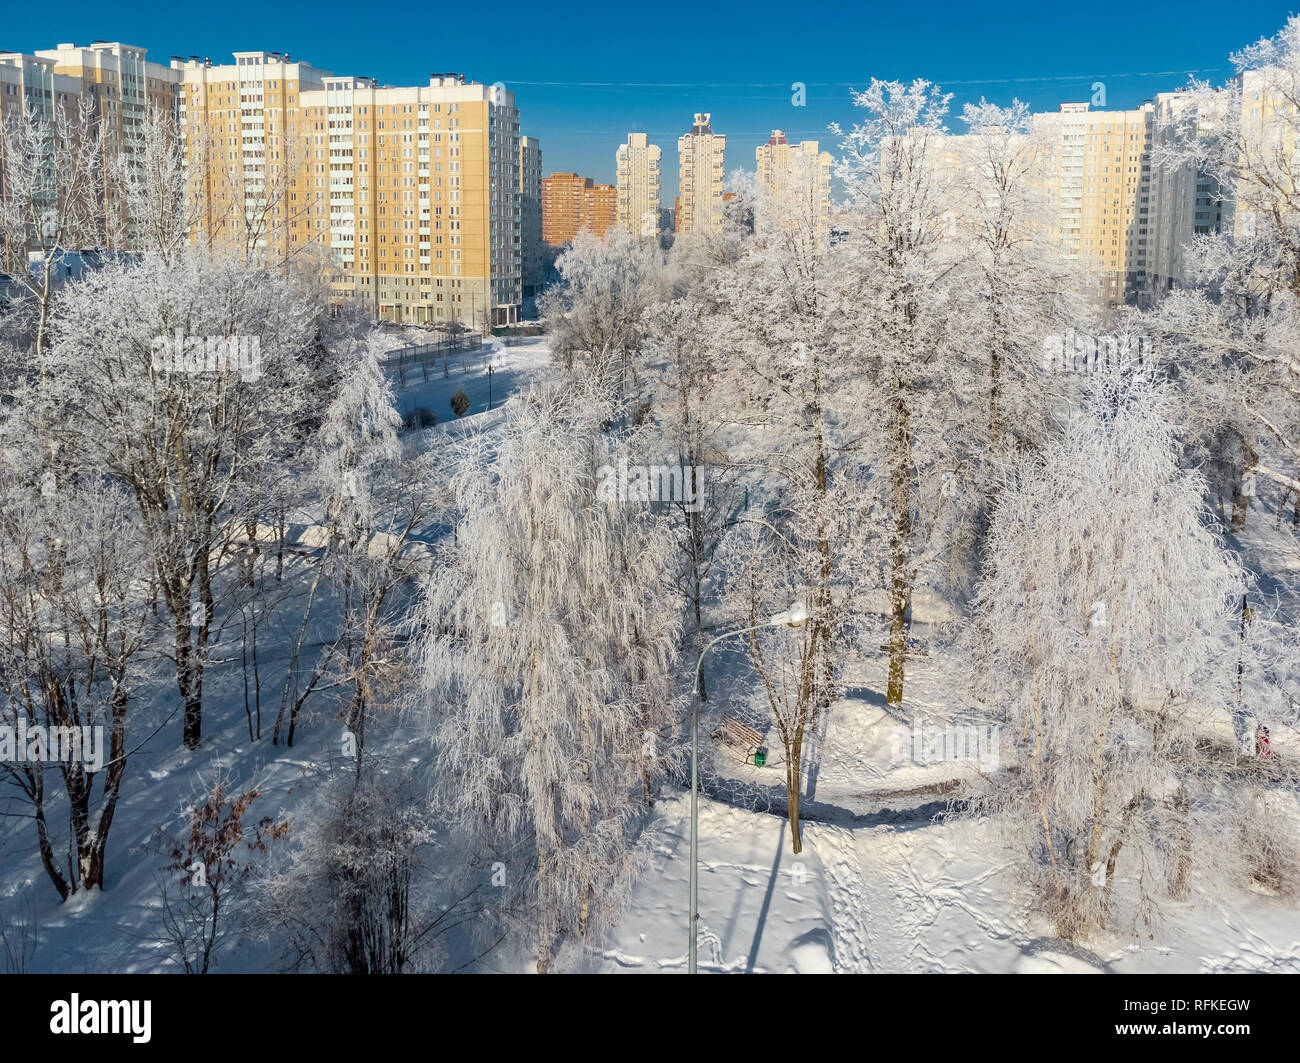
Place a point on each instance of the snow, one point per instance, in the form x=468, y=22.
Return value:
x=468, y=371
x=917, y=898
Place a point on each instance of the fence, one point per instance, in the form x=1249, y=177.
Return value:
x=421, y=358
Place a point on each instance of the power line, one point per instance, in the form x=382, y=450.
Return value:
x=941, y=82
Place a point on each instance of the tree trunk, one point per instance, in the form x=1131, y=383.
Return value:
x=995, y=385
x=900, y=501
x=543, y=931
x=793, y=784
x=189, y=678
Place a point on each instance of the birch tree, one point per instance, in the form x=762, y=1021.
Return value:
x=895, y=311
x=545, y=736
x=1110, y=617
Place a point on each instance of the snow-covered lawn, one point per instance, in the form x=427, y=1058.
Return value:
x=912, y=898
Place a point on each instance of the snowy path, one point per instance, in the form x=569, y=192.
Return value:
x=773, y=801
x=850, y=908
x=902, y=903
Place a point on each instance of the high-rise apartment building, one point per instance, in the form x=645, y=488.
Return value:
x=115, y=81
x=701, y=157
x=637, y=164
x=1094, y=194
x=795, y=180
x=564, y=207
x=1102, y=193
x=423, y=184
x=412, y=194
x=530, y=214
x=573, y=204
x=258, y=185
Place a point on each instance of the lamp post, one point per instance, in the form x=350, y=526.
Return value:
x=796, y=615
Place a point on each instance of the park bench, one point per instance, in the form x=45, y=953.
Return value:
x=740, y=736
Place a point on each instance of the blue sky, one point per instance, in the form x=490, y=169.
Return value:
x=613, y=67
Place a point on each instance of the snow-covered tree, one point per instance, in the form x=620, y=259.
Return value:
x=180, y=381
x=897, y=308
x=74, y=623
x=151, y=189
x=787, y=379
x=546, y=638
x=1110, y=616
x=1232, y=330
x=691, y=419
x=1021, y=288
x=53, y=195
x=594, y=314
x=375, y=495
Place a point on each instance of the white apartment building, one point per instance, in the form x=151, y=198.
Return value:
x=701, y=155
x=637, y=164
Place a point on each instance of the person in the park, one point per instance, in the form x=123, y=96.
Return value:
x=1263, y=750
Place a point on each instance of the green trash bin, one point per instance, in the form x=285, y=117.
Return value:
x=760, y=758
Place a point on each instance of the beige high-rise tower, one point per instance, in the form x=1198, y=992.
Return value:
x=423, y=185
x=795, y=179
x=702, y=156
x=1089, y=177
x=1102, y=178
x=257, y=172
x=638, y=185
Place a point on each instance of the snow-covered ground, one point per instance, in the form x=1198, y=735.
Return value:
x=432, y=389
x=119, y=929
x=908, y=897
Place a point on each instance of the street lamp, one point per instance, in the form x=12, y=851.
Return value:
x=795, y=616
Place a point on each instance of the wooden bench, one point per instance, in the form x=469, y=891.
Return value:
x=740, y=736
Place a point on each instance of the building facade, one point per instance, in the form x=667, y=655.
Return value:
x=794, y=180
x=423, y=208
x=572, y=204
x=637, y=164
x=530, y=215
x=602, y=208
x=564, y=207
x=701, y=157
x=1185, y=200
x=256, y=162
x=1101, y=187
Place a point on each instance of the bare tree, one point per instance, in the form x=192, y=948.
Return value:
x=51, y=196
